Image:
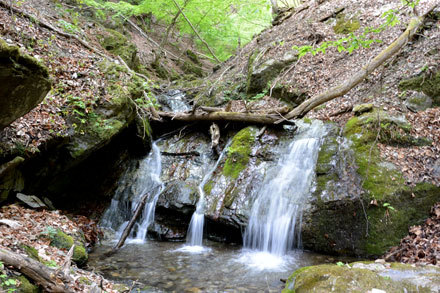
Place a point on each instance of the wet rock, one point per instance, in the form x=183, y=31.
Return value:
x=354, y=184
x=25, y=82
x=364, y=277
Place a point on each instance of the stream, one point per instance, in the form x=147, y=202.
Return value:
x=163, y=267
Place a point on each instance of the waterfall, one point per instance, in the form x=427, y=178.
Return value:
x=127, y=197
x=195, y=230
x=275, y=220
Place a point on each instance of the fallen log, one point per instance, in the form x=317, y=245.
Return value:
x=265, y=119
x=130, y=225
x=341, y=89
x=184, y=154
x=49, y=279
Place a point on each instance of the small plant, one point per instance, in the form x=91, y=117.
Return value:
x=68, y=27
x=5, y=281
x=49, y=232
x=340, y=264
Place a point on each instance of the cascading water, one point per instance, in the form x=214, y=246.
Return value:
x=195, y=230
x=147, y=180
x=277, y=211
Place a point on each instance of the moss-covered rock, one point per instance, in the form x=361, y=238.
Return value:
x=190, y=68
x=346, y=26
x=362, y=108
x=363, y=277
x=116, y=43
x=360, y=204
x=26, y=286
x=260, y=75
x=428, y=83
x=64, y=241
x=25, y=82
x=418, y=103
x=239, y=151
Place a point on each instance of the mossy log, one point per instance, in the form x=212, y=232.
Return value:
x=340, y=90
x=49, y=279
x=251, y=118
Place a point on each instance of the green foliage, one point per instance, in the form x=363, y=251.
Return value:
x=223, y=24
x=6, y=282
x=68, y=27
x=353, y=42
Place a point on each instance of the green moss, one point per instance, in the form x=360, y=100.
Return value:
x=190, y=68
x=14, y=54
x=387, y=229
x=326, y=153
x=31, y=252
x=63, y=241
x=333, y=278
x=307, y=120
x=208, y=187
x=346, y=26
x=84, y=280
x=26, y=286
x=428, y=83
x=80, y=255
x=239, y=151
x=193, y=57
x=116, y=43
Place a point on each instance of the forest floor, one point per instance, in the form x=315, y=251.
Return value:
x=32, y=228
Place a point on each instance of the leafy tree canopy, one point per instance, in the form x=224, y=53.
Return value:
x=223, y=24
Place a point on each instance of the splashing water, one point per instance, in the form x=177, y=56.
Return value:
x=195, y=230
x=121, y=208
x=274, y=224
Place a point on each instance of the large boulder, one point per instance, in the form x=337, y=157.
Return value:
x=361, y=205
x=25, y=82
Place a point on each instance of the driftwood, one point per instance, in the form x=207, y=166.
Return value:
x=264, y=119
x=49, y=279
x=185, y=154
x=340, y=90
x=130, y=225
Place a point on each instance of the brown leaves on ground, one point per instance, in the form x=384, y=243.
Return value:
x=422, y=245
x=32, y=229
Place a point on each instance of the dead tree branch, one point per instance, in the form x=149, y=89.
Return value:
x=340, y=90
x=38, y=272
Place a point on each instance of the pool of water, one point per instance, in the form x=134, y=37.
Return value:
x=215, y=267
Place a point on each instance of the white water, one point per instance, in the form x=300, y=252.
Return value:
x=147, y=180
x=195, y=230
x=275, y=221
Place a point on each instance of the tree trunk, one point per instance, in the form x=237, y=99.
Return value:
x=226, y=116
x=38, y=272
x=337, y=91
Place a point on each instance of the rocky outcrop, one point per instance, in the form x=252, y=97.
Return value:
x=25, y=82
x=364, y=277
x=361, y=205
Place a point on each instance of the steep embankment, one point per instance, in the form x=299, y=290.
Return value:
x=96, y=108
